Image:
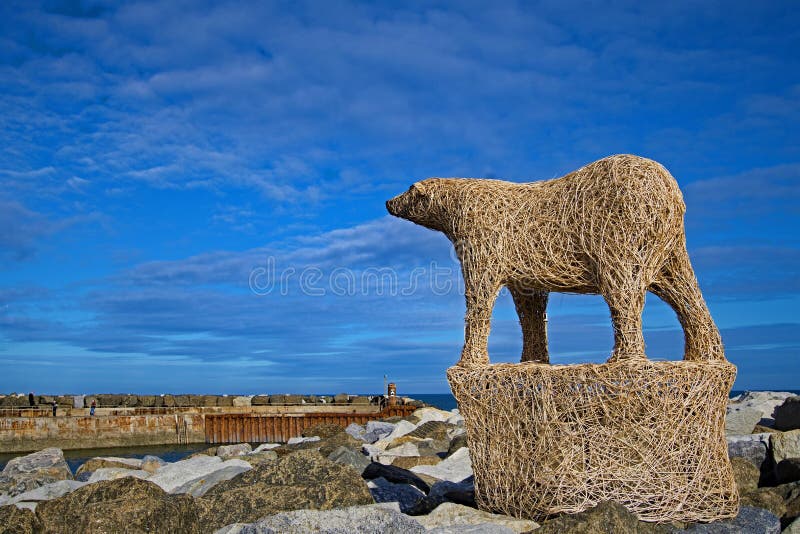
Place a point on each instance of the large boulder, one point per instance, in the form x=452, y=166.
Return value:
x=763, y=401
x=304, y=479
x=785, y=445
x=745, y=473
x=25, y=473
x=259, y=400
x=202, y=484
x=395, y=475
x=454, y=468
x=242, y=402
x=411, y=500
x=93, y=464
x=605, y=518
x=741, y=420
x=351, y=457
x=750, y=520
x=755, y=448
x=172, y=476
x=454, y=515
x=375, y=430
x=766, y=498
x=431, y=414
x=322, y=430
x=368, y=519
x=456, y=492
x=123, y=505
x=18, y=521
x=151, y=463
x=47, y=492
x=239, y=449
x=787, y=415
x=113, y=473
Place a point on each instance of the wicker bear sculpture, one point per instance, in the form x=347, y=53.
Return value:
x=614, y=227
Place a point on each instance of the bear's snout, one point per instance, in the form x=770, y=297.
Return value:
x=393, y=205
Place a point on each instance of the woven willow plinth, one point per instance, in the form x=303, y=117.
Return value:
x=650, y=435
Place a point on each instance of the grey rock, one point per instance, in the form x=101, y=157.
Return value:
x=457, y=443
x=481, y=528
x=348, y=456
x=341, y=398
x=741, y=420
x=47, y=492
x=174, y=475
x=764, y=401
x=376, y=430
x=265, y=447
x=751, y=520
x=368, y=519
x=448, y=515
x=410, y=498
x=754, y=448
x=745, y=473
x=200, y=485
x=793, y=528
x=152, y=463
x=234, y=450
x=454, y=468
x=25, y=473
x=298, y=440
x=787, y=415
x=113, y=473
x=356, y=430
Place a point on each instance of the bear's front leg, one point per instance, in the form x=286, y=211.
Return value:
x=531, y=308
x=481, y=295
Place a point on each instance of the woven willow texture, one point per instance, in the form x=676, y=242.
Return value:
x=614, y=228
x=546, y=439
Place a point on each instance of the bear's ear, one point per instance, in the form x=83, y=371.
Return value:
x=420, y=187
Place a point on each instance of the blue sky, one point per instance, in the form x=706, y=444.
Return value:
x=163, y=165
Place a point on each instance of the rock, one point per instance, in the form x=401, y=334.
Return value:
x=457, y=442
x=18, y=521
x=342, y=439
x=407, y=462
x=209, y=400
x=450, y=514
x=359, y=400
x=787, y=415
x=406, y=449
x=369, y=519
x=395, y=475
x=431, y=429
x=785, y=445
x=303, y=479
x=77, y=401
x=265, y=447
x=411, y=499
x=456, y=419
x=113, y=473
x=457, y=492
x=348, y=456
x=454, y=468
x=431, y=414
x=793, y=528
x=750, y=520
x=122, y=505
x=47, y=492
x=200, y=485
x=322, y=430
x=242, y=402
x=147, y=401
x=259, y=400
x=25, y=473
x=298, y=440
x=741, y=420
x=225, y=400
x=357, y=431
x=341, y=398
x=152, y=463
x=93, y=464
x=400, y=429
x=755, y=449
x=764, y=401
x=376, y=430
x=172, y=476
x=745, y=473
x=259, y=458
x=607, y=517
x=788, y=470
x=766, y=498
x=234, y=450
x=760, y=429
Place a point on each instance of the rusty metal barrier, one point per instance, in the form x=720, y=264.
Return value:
x=272, y=428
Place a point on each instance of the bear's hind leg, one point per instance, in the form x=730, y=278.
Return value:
x=676, y=285
x=531, y=308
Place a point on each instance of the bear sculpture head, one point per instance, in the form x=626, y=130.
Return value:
x=419, y=205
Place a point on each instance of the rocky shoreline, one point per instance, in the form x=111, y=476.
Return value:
x=395, y=475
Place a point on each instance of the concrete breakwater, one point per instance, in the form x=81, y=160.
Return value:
x=121, y=421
